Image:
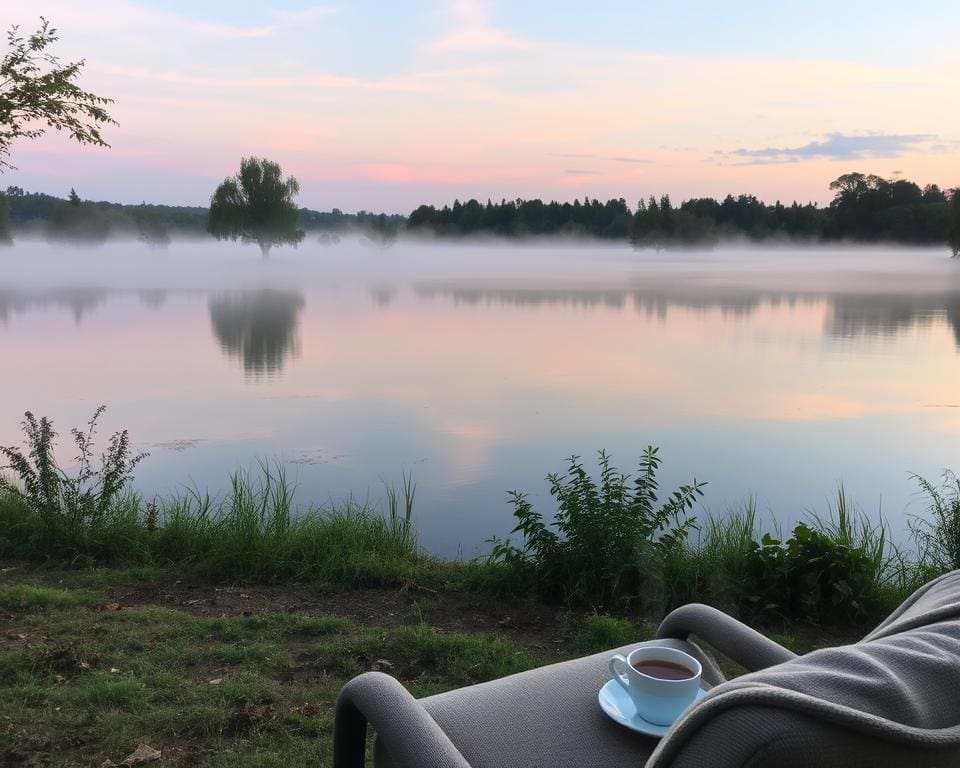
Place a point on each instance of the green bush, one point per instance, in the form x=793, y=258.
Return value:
x=833, y=570
x=606, y=538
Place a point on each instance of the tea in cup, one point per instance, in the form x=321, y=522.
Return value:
x=660, y=681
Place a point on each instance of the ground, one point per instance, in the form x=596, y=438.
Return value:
x=95, y=663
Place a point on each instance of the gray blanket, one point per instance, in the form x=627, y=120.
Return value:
x=891, y=699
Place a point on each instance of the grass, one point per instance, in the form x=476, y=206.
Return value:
x=252, y=533
x=84, y=679
x=34, y=597
x=81, y=683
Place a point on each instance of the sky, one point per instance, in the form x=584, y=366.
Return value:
x=381, y=106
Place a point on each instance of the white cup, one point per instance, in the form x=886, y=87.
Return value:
x=658, y=700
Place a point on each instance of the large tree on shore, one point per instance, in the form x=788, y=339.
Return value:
x=37, y=91
x=256, y=206
x=955, y=222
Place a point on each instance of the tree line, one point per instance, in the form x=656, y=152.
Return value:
x=865, y=208
x=74, y=219
x=256, y=205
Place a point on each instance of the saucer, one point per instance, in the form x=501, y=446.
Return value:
x=615, y=701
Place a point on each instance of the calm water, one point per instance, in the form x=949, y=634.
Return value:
x=776, y=373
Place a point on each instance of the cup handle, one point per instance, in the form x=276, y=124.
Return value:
x=616, y=674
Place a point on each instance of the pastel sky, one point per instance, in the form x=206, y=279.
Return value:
x=383, y=105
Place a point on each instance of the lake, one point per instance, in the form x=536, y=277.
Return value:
x=771, y=372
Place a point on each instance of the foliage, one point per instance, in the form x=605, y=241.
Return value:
x=601, y=632
x=256, y=205
x=865, y=208
x=611, y=543
x=827, y=571
x=69, y=506
x=938, y=535
x=78, y=221
x=714, y=568
x=156, y=224
x=252, y=533
x=5, y=237
x=151, y=227
x=36, y=88
x=868, y=207
x=525, y=217
x=955, y=223
x=606, y=535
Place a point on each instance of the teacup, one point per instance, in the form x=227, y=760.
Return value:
x=661, y=681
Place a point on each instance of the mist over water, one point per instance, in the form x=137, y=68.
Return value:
x=777, y=372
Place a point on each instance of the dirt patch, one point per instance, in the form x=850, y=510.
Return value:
x=530, y=625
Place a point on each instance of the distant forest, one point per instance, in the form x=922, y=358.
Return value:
x=75, y=219
x=865, y=208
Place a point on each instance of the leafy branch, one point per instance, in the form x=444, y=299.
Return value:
x=37, y=88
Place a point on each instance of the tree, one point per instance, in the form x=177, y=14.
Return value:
x=955, y=223
x=36, y=88
x=5, y=238
x=78, y=221
x=256, y=206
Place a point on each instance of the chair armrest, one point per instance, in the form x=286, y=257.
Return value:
x=733, y=638
x=410, y=735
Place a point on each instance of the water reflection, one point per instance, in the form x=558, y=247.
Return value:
x=258, y=327
x=852, y=315
x=79, y=301
x=886, y=315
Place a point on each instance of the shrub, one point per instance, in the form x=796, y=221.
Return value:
x=605, y=538
x=832, y=570
x=67, y=509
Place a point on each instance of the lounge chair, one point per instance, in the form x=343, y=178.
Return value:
x=891, y=699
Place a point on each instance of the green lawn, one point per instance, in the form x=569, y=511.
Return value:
x=238, y=678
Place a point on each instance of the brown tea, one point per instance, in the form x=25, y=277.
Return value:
x=663, y=670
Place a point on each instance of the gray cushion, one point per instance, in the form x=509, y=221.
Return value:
x=545, y=717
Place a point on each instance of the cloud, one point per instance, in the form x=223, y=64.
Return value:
x=837, y=146
x=472, y=31
x=581, y=172
x=573, y=155
x=630, y=160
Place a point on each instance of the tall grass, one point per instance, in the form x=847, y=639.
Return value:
x=254, y=533
x=714, y=567
x=251, y=532
x=938, y=534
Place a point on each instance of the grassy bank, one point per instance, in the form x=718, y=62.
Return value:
x=616, y=542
